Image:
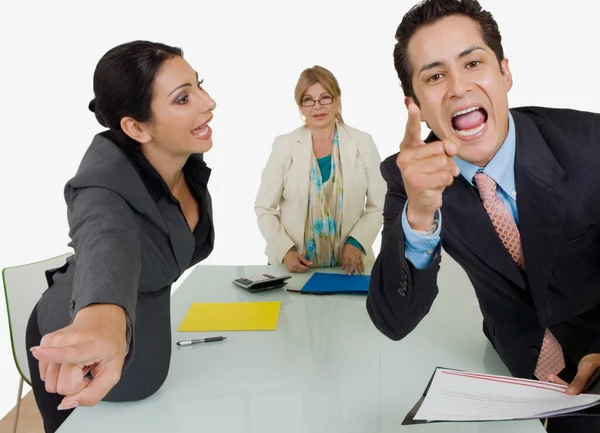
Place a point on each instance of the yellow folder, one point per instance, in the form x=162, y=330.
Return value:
x=231, y=316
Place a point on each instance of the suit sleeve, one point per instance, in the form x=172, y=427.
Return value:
x=400, y=295
x=107, y=253
x=266, y=205
x=367, y=227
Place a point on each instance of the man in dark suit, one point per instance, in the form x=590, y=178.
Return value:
x=518, y=194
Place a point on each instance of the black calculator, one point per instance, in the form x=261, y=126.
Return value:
x=259, y=283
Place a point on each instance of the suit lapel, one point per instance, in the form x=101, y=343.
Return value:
x=348, y=147
x=466, y=219
x=301, y=157
x=541, y=205
x=180, y=237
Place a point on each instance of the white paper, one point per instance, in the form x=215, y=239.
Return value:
x=464, y=396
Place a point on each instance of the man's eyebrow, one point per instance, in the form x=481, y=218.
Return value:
x=431, y=65
x=469, y=50
x=438, y=63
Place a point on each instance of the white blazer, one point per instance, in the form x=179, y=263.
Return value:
x=282, y=200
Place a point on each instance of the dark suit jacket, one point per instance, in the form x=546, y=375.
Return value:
x=131, y=242
x=557, y=174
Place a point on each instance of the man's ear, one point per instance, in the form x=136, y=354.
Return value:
x=135, y=130
x=508, y=80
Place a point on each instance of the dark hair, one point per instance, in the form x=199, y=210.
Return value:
x=429, y=12
x=123, y=82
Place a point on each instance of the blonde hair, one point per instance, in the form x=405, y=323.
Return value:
x=318, y=74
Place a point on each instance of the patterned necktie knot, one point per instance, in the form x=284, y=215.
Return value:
x=485, y=184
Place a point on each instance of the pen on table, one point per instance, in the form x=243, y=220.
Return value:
x=200, y=340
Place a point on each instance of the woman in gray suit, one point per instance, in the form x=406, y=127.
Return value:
x=139, y=215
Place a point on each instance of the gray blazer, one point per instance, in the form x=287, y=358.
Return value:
x=131, y=242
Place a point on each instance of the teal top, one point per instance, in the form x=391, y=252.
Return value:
x=325, y=169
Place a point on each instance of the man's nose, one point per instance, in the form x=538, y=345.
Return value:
x=458, y=85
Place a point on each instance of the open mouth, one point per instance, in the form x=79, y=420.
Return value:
x=203, y=132
x=470, y=121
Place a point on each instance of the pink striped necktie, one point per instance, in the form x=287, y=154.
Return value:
x=550, y=359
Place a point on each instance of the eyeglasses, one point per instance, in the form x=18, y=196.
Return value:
x=309, y=102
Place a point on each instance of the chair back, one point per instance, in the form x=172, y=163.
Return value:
x=23, y=287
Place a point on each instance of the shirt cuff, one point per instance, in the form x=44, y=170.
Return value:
x=420, y=248
x=355, y=243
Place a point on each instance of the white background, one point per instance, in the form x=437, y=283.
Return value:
x=250, y=54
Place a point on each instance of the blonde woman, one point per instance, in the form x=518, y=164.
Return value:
x=320, y=201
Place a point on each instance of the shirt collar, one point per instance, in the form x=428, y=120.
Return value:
x=502, y=166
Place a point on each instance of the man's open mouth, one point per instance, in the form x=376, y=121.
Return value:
x=469, y=121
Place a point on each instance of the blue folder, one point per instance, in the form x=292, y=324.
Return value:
x=328, y=284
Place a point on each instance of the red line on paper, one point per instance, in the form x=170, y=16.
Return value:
x=523, y=382
x=502, y=378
